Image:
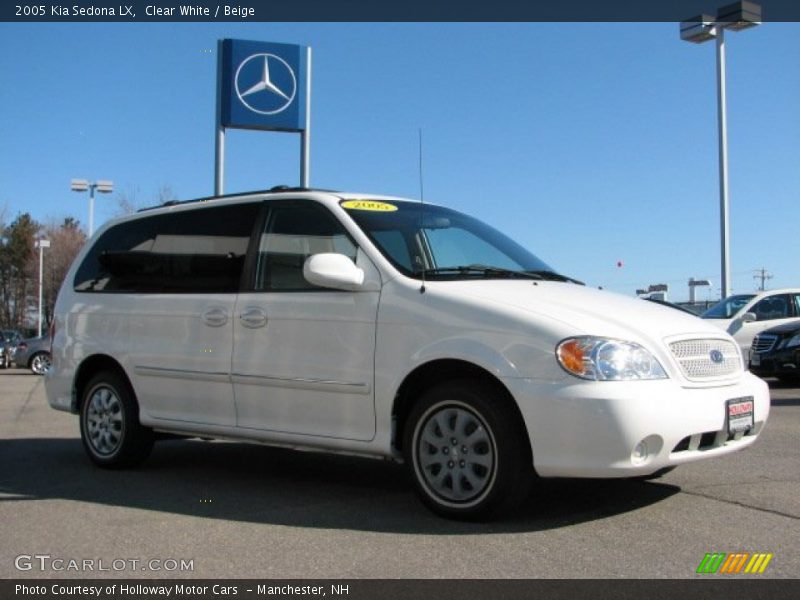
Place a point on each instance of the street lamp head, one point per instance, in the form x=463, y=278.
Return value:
x=698, y=29
x=104, y=186
x=739, y=15
x=79, y=185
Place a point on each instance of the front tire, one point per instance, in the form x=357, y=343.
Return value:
x=110, y=430
x=467, y=451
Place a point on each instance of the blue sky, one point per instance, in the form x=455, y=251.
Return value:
x=588, y=143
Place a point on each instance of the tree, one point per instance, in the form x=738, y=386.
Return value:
x=66, y=240
x=128, y=199
x=16, y=262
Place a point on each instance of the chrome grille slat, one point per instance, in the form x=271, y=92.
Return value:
x=694, y=358
x=764, y=342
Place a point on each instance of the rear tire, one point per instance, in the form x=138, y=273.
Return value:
x=467, y=451
x=110, y=430
x=40, y=363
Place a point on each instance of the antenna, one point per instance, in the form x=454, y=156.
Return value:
x=421, y=186
x=421, y=211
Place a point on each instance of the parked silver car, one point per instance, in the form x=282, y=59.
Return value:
x=34, y=354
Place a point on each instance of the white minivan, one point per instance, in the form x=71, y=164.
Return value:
x=387, y=328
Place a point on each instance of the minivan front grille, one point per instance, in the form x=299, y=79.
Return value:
x=764, y=342
x=704, y=359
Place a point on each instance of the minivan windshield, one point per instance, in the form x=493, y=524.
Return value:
x=726, y=309
x=441, y=243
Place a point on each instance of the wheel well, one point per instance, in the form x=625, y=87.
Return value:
x=91, y=367
x=433, y=373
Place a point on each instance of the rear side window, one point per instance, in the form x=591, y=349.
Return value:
x=196, y=251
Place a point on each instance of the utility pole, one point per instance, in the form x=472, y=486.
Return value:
x=763, y=275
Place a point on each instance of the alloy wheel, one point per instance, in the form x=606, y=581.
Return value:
x=105, y=421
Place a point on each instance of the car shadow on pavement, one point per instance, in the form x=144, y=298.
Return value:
x=252, y=483
x=785, y=401
x=784, y=393
x=783, y=384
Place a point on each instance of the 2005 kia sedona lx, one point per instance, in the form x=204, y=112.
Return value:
x=384, y=327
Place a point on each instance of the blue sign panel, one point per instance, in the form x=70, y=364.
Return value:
x=262, y=85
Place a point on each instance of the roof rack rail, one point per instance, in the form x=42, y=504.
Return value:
x=288, y=188
x=277, y=189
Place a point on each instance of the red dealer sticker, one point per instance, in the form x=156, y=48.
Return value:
x=740, y=414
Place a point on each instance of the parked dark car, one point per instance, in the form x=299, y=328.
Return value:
x=776, y=352
x=9, y=339
x=34, y=354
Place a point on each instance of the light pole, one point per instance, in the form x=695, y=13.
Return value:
x=101, y=185
x=699, y=29
x=41, y=245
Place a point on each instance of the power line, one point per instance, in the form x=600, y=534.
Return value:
x=763, y=275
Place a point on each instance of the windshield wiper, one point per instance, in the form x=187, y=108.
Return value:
x=485, y=270
x=553, y=276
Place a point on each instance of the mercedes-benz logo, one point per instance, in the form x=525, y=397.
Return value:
x=716, y=356
x=265, y=83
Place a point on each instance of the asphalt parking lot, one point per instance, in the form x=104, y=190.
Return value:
x=237, y=510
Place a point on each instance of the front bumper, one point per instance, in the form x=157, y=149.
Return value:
x=781, y=363
x=592, y=429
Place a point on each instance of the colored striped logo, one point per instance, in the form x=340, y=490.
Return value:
x=735, y=563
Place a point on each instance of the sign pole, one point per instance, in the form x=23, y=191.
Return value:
x=264, y=86
x=219, y=161
x=305, y=135
x=219, y=146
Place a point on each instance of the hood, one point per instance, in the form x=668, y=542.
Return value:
x=583, y=310
x=785, y=328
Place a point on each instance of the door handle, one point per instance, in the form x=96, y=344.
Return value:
x=215, y=316
x=253, y=317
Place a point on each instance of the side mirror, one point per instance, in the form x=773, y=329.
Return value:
x=331, y=270
x=749, y=317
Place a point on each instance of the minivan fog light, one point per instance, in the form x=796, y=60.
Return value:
x=639, y=454
x=604, y=359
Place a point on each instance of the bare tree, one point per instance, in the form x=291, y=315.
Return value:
x=128, y=200
x=127, y=203
x=66, y=240
x=166, y=194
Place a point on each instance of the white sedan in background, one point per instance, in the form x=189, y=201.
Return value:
x=745, y=315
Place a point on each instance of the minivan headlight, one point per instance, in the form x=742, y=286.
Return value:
x=604, y=359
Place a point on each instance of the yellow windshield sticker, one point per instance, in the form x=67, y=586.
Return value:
x=372, y=205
